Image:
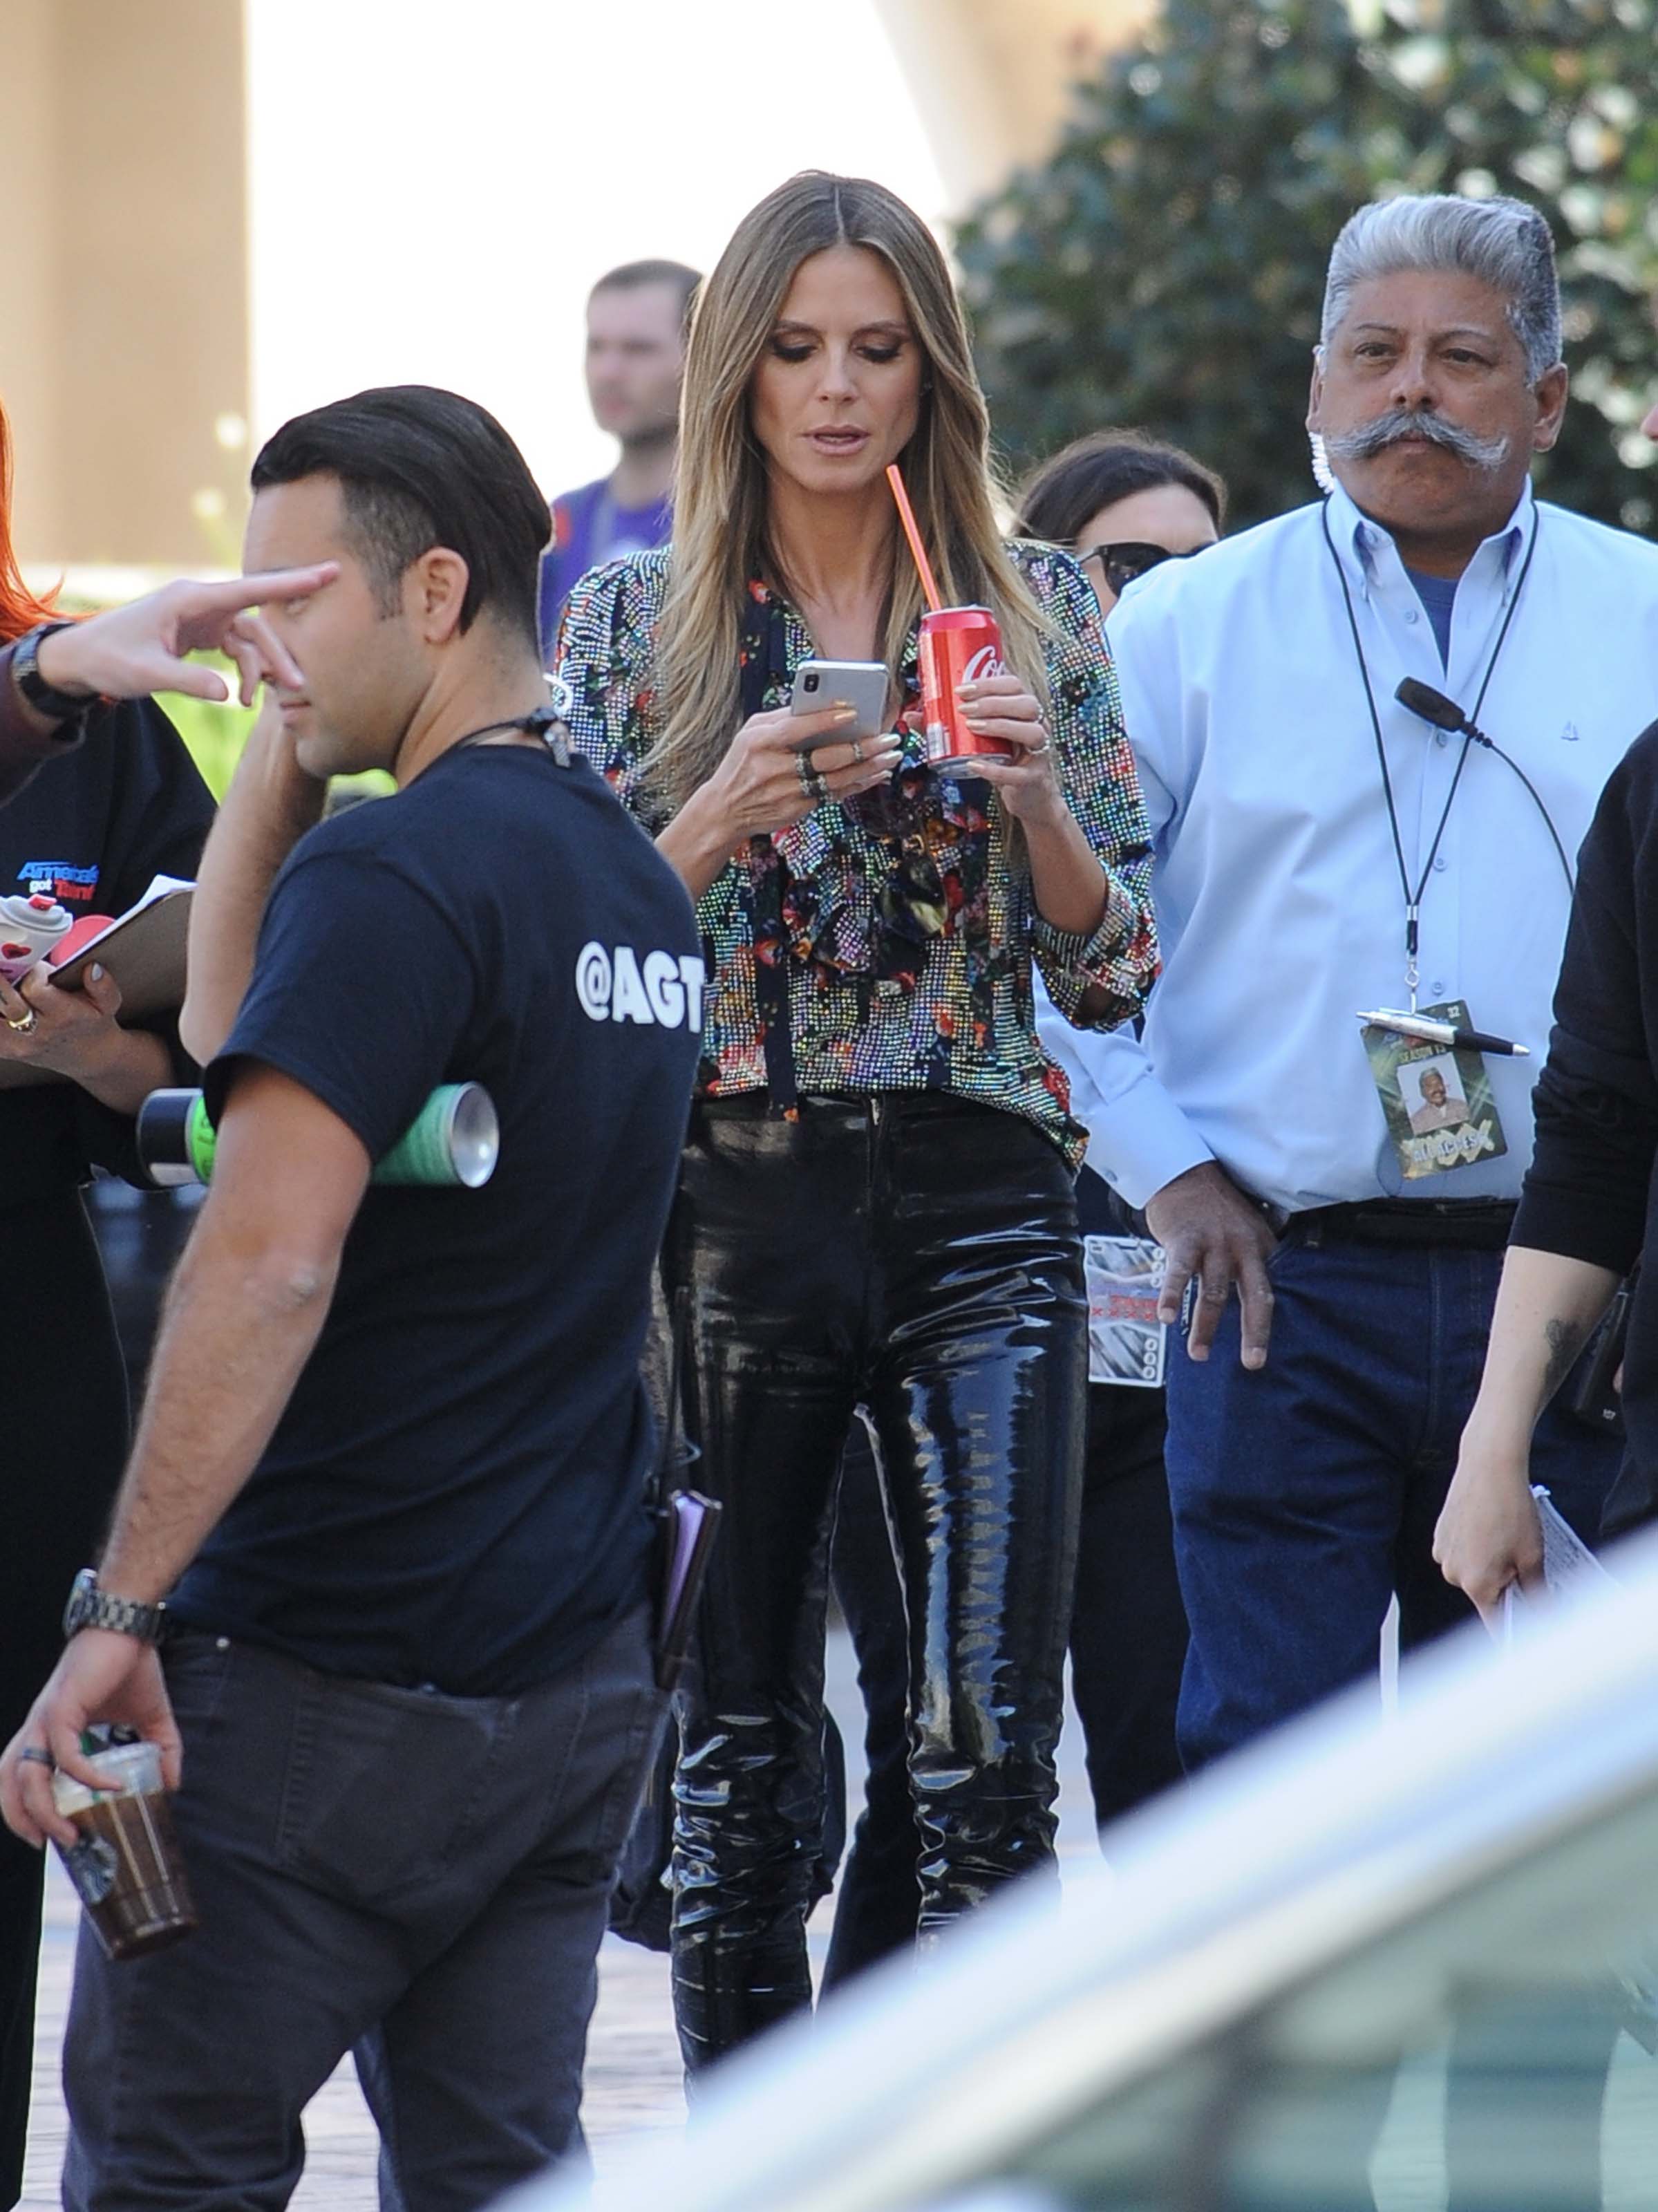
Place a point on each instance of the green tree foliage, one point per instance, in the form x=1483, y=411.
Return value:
x=1166, y=266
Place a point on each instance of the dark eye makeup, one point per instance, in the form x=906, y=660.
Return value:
x=795, y=350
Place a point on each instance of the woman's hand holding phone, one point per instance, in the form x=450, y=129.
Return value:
x=760, y=788
x=761, y=783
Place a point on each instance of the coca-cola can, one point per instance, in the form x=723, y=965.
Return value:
x=959, y=645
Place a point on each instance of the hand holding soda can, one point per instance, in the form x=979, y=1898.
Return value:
x=959, y=645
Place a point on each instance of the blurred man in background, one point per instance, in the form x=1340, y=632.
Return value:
x=637, y=317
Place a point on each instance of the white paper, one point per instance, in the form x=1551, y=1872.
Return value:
x=160, y=887
x=1568, y=1564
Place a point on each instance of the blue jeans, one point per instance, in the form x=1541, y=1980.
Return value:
x=1305, y=1494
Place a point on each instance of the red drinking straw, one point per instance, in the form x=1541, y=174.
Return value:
x=907, y=516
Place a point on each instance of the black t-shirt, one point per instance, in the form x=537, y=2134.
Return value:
x=455, y=1494
x=90, y=829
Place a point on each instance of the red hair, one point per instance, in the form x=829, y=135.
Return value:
x=20, y=608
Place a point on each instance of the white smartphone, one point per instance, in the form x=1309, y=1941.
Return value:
x=862, y=684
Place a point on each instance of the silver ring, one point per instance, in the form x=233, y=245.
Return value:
x=36, y=1755
x=816, y=786
x=30, y=1021
x=804, y=771
x=857, y=752
x=1035, y=752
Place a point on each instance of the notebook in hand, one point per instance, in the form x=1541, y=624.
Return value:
x=143, y=949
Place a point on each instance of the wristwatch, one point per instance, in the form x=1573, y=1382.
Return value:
x=56, y=706
x=90, y=1608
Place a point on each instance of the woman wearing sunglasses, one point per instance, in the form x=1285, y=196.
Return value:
x=1120, y=502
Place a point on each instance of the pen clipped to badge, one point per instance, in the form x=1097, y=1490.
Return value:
x=1430, y=1072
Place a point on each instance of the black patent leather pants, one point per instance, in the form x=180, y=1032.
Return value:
x=914, y=1259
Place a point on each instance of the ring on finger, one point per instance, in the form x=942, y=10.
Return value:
x=36, y=1755
x=816, y=786
x=29, y=1021
x=857, y=752
x=805, y=772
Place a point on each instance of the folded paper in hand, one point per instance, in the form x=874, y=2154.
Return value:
x=1569, y=1565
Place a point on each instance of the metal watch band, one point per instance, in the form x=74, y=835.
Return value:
x=90, y=1608
x=56, y=706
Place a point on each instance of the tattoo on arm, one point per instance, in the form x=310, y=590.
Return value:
x=1565, y=1340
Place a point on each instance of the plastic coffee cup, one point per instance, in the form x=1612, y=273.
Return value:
x=124, y=1862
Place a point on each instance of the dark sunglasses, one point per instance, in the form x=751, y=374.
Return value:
x=1121, y=563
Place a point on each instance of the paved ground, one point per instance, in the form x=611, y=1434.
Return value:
x=633, y=2091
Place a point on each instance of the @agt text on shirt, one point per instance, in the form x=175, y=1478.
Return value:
x=617, y=984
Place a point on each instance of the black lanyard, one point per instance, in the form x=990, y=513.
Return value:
x=543, y=722
x=1413, y=898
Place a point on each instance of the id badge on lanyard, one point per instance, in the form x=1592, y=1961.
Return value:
x=1435, y=1096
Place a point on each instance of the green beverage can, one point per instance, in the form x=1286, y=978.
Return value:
x=453, y=1143
x=455, y=1139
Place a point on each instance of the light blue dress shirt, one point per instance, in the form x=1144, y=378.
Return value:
x=1277, y=889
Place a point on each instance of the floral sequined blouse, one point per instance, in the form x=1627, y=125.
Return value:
x=891, y=937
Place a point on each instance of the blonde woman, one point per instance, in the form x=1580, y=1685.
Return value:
x=875, y=1212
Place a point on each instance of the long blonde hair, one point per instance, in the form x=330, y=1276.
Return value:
x=720, y=540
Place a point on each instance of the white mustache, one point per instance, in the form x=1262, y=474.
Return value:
x=1398, y=422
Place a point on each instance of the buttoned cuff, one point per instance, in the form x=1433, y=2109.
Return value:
x=1138, y=1140
x=1117, y=957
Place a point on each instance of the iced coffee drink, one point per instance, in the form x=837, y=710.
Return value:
x=124, y=1861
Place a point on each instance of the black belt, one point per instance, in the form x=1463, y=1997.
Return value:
x=918, y=1105
x=1478, y=1225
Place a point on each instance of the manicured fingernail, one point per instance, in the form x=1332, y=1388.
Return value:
x=845, y=714
x=96, y=972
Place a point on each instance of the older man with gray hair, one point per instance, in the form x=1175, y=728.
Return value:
x=1326, y=850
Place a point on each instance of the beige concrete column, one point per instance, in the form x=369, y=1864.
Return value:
x=124, y=354
x=990, y=77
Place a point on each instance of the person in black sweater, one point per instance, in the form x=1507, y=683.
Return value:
x=1586, y=1211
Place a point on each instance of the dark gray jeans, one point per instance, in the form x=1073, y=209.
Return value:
x=421, y=1878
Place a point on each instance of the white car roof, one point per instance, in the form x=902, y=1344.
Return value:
x=1269, y=1865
